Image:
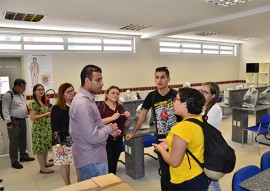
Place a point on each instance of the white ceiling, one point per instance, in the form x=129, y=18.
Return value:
x=181, y=18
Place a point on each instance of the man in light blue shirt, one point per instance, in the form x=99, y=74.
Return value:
x=15, y=111
x=88, y=133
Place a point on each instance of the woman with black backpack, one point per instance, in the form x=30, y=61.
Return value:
x=185, y=173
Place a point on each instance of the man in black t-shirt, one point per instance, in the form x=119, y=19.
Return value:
x=161, y=101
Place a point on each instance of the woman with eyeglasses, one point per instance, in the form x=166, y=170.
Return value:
x=186, y=174
x=60, y=128
x=112, y=112
x=211, y=92
x=41, y=128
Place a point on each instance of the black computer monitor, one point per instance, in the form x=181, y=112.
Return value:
x=252, y=68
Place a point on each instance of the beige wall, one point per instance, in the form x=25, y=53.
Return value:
x=257, y=51
x=137, y=70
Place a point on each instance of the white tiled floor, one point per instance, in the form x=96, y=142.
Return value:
x=29, y=178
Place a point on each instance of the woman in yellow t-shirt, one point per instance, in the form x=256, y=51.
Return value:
x=185, y=172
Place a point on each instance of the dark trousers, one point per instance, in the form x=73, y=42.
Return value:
x=199, y=183
x=114, y=149
x=17, y=139
x=165, y=173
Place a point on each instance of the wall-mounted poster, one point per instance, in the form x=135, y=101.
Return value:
x=40, y=70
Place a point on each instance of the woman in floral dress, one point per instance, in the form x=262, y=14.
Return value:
x=41, y=128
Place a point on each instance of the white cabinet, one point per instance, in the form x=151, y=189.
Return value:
x=259, y=79
x=251, y=79
x=263, y=75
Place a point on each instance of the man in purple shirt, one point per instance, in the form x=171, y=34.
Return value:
x=88, y=133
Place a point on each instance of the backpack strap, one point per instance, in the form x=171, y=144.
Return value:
x=188, y=152
x=153, y=98
x=11, y=94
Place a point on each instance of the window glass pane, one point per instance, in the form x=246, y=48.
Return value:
x=84, y=47
x=10, y=47
x=173, y=50
x=42, y=39
x=43, y=47
x=118, y=48
x=207, y=46
x=226, y=47
x=195, y=51
x=10, y=37
x=170, y=44
x=187, y=46
x=226, y=52
x=116, y=41
x=190, y=45
x=85, y=40
x=210, y=52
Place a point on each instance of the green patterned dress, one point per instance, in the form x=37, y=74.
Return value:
x=41, y=130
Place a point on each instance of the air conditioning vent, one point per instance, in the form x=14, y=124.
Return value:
x=23, y=16
x=135, y=27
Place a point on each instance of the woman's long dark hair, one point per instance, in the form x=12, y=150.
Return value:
x=35, y=96
x=214, y=89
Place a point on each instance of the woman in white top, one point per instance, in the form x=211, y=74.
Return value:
x=211, y=92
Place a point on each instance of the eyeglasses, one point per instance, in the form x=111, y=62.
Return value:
x=160, y=69
x=69, y=91
x=174, y=100
x=40, y=89
x=204, y=92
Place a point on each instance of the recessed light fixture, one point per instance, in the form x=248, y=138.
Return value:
x=226, y=3
x=207, y=33
x=8, y=15
x=135, y=27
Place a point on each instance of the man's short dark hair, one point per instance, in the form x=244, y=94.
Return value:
x=19, y=82
x=87, y=72
x=163, y=69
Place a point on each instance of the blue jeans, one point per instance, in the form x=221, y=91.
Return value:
x=214, y=186
x=92, y=170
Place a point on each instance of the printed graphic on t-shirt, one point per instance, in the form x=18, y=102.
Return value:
x=165, y=116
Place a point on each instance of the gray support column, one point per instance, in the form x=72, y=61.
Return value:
x=134, y=158
x=239, y=122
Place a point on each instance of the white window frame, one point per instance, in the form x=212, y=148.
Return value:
x=44, y=42
x=167, y=45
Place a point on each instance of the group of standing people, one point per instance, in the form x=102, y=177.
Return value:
x=94, y=133
x=50, y=125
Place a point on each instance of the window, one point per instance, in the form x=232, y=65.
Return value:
x=10, y=46
x=191, y=47
x=101, y=44
x=43, y=47
x=37, y=42
x=42, y=39
x=10, y=42
x=84, y=40
x=10, y=38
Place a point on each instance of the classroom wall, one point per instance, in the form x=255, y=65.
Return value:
x=137, y=70
x=253, y=51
